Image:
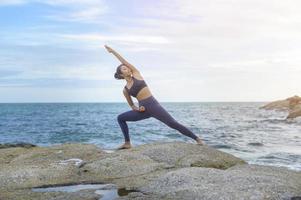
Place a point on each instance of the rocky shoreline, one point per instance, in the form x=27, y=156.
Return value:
x=291, y=104
x=160, y=170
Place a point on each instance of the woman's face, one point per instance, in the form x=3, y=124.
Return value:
x=125, y=70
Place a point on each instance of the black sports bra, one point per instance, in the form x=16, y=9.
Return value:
x=136, y=87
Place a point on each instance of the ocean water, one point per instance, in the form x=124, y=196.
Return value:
x=242, y=129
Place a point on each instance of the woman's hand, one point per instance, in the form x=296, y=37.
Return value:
x=140, y=109
x=110, y=50
x=121, y=59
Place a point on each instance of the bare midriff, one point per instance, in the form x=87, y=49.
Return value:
x=143, y=94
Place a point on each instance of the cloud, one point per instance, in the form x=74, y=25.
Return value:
x=208, y=45
x=86, y=11
x=78, y=72
x=128, y=42
x=120, y=38
x=4, y=73
x=79, y=11
x=57, y=83
x=224, y=31
x=11, y=2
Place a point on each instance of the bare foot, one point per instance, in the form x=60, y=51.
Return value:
x=125, y=146
x=199, y=141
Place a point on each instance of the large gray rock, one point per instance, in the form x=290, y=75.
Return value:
x=160, y=170
x=36, y=166
x=151, y=158
x=182, y=154
x=238, y=182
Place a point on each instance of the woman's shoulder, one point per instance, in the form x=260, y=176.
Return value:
x=138, y=77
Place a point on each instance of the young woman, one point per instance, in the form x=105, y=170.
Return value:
x=148, y=105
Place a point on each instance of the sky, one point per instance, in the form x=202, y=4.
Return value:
x=192, y=50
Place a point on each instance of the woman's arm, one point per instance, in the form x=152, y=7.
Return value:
x=128, y=98
x=130, y=102
x=121, y=59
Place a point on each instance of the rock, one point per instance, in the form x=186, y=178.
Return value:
x=285, y=104
x=22, y=167
x=282, y=105
x=181, y=154
x=238, y=182
x=295, y=112
x=151, y=158
x=291, y=104
x=21, y=144
x=160, y=170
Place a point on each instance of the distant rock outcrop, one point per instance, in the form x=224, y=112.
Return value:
x=21, y=144
x=160, y=170
x=295, y=111
x=291, y=104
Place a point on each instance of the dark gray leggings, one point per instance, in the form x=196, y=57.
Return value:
x=152, y=109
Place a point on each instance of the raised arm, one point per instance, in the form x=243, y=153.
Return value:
x=122, y=60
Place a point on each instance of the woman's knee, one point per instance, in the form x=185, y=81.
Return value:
x=125, y=116
x=120, y=118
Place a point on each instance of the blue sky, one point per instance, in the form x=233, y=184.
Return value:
x=194, y=50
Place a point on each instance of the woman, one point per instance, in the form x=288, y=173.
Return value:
x=148, y=105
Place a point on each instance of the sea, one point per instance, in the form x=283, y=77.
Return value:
x=258, y=136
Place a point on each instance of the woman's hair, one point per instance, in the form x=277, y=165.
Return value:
x=118, y=73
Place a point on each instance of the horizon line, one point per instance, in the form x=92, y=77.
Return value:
x=137, y=102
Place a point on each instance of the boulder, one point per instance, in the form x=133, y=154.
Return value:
x=151, y=160
x=160, y=170
x=291, y=104
x=295, y=112
x=36, y=166
x=238, y=182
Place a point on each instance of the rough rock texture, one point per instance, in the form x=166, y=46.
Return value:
x=31, y=167
x=295, y=112
x=238, y=182
x=161, y=170
x=164, y=155
x=292, y=105
x=135, y=167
